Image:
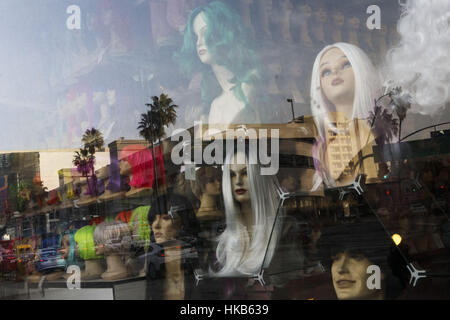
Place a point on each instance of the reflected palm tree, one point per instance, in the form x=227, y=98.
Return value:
x=400, y=103
x=85, y=158
x=162, y=113
x=152, y=126
x=93, y=140
x=385, y=128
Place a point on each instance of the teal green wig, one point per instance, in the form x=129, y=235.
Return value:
x=229, y=41
x=85, y=240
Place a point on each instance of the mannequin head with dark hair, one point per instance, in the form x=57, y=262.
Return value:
x=174, y=231
x=172, y=218
x=352, y=252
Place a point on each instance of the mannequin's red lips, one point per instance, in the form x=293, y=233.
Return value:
x=201, y=52
x=337, y=81
x=240, y=191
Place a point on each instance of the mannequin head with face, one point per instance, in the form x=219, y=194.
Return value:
x=349, y=274
x=68, y=248
x=239, y=182
x=216, y=36
x=345, y=80
x=348, y=250
x=200, y=28
x=165, y=228
x=172, y=218
x=215, y=28
x=337, y=78
x=245, y=193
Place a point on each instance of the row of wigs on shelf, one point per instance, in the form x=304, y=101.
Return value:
x=140, y=159
x=78, y=232
x=105, y=245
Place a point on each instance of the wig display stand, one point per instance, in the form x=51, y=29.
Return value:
x=208, y=209
x=93, y=269
x=116, y=270
x=209, y=214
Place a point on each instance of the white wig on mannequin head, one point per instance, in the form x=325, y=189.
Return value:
x=367, y=85
x=236, y=252
x=114, y=235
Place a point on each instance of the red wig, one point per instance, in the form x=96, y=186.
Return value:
x=141, y=162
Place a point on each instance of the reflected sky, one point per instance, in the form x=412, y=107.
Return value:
x=55, y=82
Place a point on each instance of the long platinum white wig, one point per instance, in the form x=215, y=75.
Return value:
x=237, y=254
x=367, y=85
x=367, y=89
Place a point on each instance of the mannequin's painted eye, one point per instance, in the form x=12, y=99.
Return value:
x=346, y=65
x=325, y=72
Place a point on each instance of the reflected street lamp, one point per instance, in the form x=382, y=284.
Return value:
x=292, y=108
